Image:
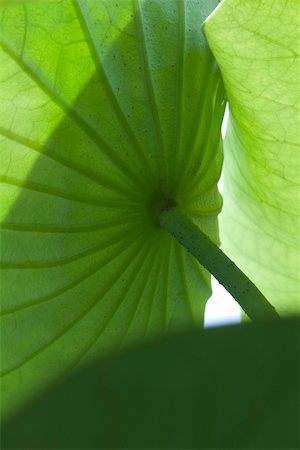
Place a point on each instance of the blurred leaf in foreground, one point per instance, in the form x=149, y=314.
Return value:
x=232, y=388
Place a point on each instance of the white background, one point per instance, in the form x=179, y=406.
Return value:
x=221, y=308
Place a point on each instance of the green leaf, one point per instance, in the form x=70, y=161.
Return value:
x=256, y=44
x=253, y=303
x=107, y=109
x=223, y=388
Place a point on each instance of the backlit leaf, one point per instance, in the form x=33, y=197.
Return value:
x=107, y=109
x=256, y=44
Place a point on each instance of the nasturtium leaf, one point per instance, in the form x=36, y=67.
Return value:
x=109, y=109
x=256, y=44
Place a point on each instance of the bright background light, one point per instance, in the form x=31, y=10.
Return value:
x=221, y=308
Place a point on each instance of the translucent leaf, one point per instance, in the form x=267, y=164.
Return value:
x=107, y=109
x=256, y=44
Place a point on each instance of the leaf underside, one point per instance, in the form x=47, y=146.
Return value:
x=107, y=109
x=256, y=44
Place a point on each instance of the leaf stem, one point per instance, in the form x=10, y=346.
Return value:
x=210, y=256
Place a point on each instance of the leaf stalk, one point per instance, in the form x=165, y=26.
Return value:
x=210, y=256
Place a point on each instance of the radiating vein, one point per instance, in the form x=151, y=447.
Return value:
x=71, y=229
x=90, y=174
x=53, y=192
x=204, y=112
x=160, y=247
x=129, y=282
x=197, y=212
x=179, y=254
x=213, y=136
x=205, y=189
x=121, y=247
x=108, y=88
x=70, y=111
x=180, y=82
x=63, y=261
x=166, y=287
x=131, y=256
x=152, y=258
x=161, y=160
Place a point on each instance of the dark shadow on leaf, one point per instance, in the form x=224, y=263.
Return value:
x=78, y=268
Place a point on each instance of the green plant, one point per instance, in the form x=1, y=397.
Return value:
x=110, y=120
